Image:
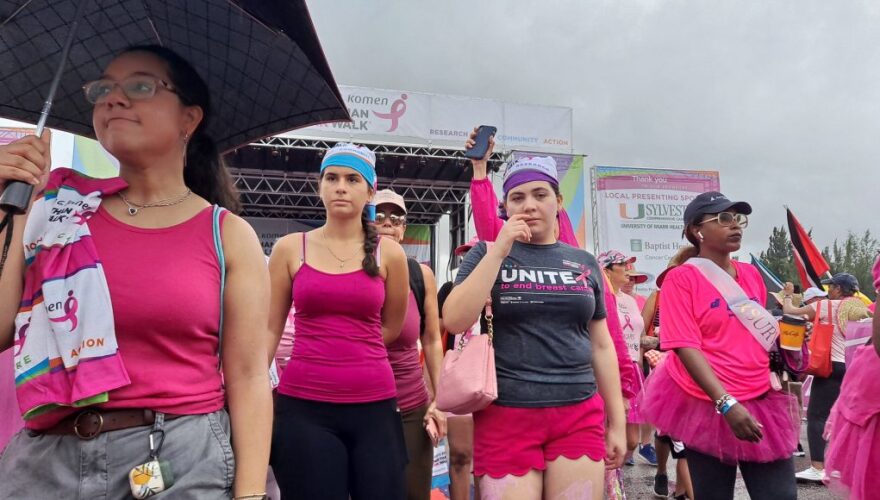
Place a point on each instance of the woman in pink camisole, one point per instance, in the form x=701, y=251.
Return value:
x=338, y=432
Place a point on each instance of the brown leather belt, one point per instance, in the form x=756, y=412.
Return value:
x=89, y=424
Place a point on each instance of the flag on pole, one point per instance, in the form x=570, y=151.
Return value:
x=808, y=260
x=771, y=281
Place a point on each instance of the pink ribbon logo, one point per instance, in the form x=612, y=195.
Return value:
x=584, y=275
x=628, y=323
x=70, y=307
x=22, y=333
x=398, y=108
x=82, y=217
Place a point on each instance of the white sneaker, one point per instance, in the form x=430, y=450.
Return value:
x=811, y=474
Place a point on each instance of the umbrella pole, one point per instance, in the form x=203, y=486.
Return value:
x=17, y=195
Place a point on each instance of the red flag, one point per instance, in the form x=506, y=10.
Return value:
x=810, y=263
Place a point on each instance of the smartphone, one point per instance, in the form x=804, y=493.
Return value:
x=482, y=142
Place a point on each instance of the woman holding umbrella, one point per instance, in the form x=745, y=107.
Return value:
x=154, y=239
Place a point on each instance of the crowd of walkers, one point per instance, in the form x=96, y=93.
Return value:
x=184, y=318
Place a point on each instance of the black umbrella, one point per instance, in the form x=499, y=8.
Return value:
x=261, y=58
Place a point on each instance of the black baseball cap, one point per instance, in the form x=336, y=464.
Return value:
x=846, y=281
x=712, y=202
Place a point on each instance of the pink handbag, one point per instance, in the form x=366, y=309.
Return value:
x=467, y=380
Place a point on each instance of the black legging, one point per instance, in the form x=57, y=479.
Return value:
x=714, y=480
x=823, y=394
x=329, y=451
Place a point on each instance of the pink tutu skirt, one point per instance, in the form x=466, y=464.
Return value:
x=694, y=421
x=634, y=416
x=852, y=459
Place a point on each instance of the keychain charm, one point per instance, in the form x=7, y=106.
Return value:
x=154, y=476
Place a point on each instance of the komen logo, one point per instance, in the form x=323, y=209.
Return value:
x=19, y=342
x=70, y=307
x=81, y=218
x=624, y=212
x=398, y=108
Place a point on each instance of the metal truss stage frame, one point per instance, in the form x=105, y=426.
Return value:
x=278, y=178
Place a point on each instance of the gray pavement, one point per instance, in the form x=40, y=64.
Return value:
x=639, y=480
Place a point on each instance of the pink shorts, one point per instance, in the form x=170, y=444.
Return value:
x=510, y=440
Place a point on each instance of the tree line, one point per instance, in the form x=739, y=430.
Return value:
x=855, y=255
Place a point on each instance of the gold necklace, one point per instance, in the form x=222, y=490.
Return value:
x=327, y=245
x=133, y=208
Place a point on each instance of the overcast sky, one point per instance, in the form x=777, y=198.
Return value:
x=783, y=97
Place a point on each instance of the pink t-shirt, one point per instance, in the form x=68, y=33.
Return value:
x=696, y=316
x=631, y=323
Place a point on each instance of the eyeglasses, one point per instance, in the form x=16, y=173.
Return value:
x=136, y=88
x=396, y=220
x=727, y=219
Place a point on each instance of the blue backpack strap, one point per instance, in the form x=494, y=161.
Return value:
x=221, y=261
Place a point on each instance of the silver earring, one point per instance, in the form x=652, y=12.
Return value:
x=700, y=234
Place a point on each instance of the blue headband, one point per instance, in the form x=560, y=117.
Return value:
x=357, y=158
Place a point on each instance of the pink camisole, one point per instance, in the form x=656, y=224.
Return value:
x=339, y=355
x=403, y=353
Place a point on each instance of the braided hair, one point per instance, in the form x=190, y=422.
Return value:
x=371, y=242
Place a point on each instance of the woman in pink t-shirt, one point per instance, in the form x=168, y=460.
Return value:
x=618, y=267
x=853, y=431
x=715, y=393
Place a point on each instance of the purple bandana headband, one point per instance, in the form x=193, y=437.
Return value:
x=528, y=170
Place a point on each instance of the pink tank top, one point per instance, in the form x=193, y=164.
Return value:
x=338, y=356
x=404, y=356
x=165, y=290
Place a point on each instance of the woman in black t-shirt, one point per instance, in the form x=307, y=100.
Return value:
x=557, y=372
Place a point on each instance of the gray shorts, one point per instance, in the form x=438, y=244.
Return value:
x=66, y=467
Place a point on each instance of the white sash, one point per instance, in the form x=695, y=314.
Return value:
x=757, y=320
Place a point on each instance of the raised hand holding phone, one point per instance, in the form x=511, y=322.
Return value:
x=479, y=147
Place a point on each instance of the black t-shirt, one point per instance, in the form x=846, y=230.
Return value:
x=542, y=300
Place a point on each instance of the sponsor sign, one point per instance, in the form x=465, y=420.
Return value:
x=640, y=211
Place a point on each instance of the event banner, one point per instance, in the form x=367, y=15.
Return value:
x=441, y=121
x=640, y=211
x=572, y=185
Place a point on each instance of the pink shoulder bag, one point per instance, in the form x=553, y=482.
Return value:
x=467, y=380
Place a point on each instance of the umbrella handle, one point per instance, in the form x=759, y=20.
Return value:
x=17, y=195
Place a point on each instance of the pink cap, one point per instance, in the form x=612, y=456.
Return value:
x=465, y=247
